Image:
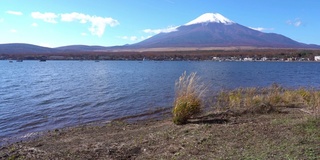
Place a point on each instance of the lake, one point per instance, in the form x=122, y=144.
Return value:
x=38, y=96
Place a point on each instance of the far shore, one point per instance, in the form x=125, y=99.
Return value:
x=177, y=54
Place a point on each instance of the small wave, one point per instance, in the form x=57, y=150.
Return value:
x=29, y=135
x=10, y=140
x=51, y=100
x=67, y=108
x=40, y=95
x=98, y=104
x=33, y=124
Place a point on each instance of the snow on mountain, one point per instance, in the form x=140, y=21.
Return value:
x=210, y=17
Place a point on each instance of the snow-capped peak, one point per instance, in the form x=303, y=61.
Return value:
x=210, y=17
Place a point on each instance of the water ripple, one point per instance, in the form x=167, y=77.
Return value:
x=43, y=96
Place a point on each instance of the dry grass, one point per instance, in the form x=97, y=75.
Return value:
x=188, y=98
x=273, y=96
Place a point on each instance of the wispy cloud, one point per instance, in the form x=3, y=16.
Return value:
x=164, y=30
x=261, y=29
x=13, y=31
x=1, y=20
x=47, y=17
x=84, y=34
x=34, y=24
x=131, y=38
x=297, y=22
x=146, y=37
x=143, y=37
x=15, y=13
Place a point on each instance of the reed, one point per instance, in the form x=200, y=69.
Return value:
x=273, y=96
x=188, y=97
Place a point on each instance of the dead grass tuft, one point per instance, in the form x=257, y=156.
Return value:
x=188, y=98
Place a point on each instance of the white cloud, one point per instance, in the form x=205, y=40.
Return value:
x=124, y=37
x=84, y=34
x=47, y=17
x=148, y=37
x=297, y=22
x=131, y=38
x=134, y=38
x=143, y=37
x=69, y=17
x=13, y=31
x=98, y=24
x=165, y=30
x=44, y=44
x=1, y=20
x=15, y=13
x=261, y=29
x=34, y=25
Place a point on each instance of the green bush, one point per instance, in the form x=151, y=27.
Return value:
x=188, y=99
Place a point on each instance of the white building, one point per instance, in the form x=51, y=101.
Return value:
x=317, y=58
x=264, y=59
x=247, y=59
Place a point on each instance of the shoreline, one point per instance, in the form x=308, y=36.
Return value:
x=224, y=135
x=152, y=115
x=180, y=60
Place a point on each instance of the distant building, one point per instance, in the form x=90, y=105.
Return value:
x=264, y=59
x=317, y=58
x=215, y=58
x=248, y=59
x=289, y=59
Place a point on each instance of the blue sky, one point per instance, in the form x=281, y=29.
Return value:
x=54, y=23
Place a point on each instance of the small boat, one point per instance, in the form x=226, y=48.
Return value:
x=42, y=60
x=10, y=61
x=19, y=60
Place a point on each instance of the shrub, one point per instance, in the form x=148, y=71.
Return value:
x=188, y=98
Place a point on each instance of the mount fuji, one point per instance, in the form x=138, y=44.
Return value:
x=215, y=30
x=208, y=30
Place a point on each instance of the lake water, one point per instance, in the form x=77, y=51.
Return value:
x=38, y=96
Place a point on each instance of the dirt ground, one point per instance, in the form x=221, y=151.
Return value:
x=286, y=133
